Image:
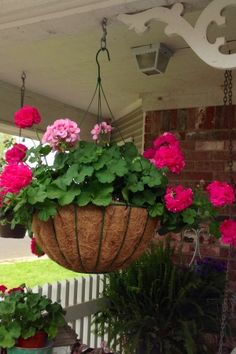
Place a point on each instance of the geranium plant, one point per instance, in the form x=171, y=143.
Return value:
x=24, y=313
x=102, y=173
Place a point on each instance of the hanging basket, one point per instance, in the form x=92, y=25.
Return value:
x=6, y=231
x=93, y=239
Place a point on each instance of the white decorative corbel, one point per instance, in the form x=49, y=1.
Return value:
x=196, y=36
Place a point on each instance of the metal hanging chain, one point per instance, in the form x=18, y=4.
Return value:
x=99, y=90
x=104, y=37
x=22, y=90
x=228, y=89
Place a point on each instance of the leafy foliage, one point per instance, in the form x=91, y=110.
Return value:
x=23, y=314
x=160, y=307
x=87, y=174
x=100, y=174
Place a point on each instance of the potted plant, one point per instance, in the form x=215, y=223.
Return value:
x=96, y=206
x=158, y=307
x=27, y=319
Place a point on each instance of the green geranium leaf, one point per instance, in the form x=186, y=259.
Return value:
x=125, y=194
x=137, y=164
x=60, y=160
x=84, y=198
x=189, y=216
x=7, y=337
x=120, y=168
x=137, y=187
x=156, y=210
x=129, y=151
x=103, y=160
x=69, y=195
x=145, y=198
x=44, y=150
x=152, y=180
x=36, y=195
x=53, y=192
x=28, y=332
x=103, y=196
x=87, y=152
x=133, y=184
x=105, y=176
x=86, y=171
x=6, y=308
x=46, y=211
x=71, y=173
x=214, y=229
x=60, y=183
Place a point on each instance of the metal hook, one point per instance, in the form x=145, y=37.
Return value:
x=98, y=64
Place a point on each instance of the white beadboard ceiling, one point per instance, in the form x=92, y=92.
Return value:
x=55, y=42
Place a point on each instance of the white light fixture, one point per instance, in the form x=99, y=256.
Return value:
x=152, y=59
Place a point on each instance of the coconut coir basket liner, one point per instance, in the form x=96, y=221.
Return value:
x=94, y=239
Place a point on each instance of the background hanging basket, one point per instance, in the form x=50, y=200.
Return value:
x=93, y=239
x=6, y=231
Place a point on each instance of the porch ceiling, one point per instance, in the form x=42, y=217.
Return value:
x=55, y=42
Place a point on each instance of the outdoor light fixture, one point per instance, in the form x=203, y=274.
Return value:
x=152, y=59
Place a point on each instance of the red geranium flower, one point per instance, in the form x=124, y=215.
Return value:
x=15, y=154
x=3, y=288
x=220, y=193
x=35, y=249
x=15, y=177
x=178, y=198
x=26, y=117
x=19, y=289
x=228, y=232
x=149, y=153
x=165, y=139
x=171, y=157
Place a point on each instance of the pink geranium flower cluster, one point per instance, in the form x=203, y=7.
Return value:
x=100, y=129
x=178, y=198
x=166, y=152
x=62, y=134
x=220, y=193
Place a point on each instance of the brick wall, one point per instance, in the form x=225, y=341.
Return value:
x=204, y=136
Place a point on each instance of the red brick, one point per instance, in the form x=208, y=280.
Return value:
x=173, y=119
x=198, y=155
x=218, y=166
x=210, y=251
x=203, y=166
x=232, y=275
x=232, y=285
x=190, y=165
x=226, y=145
x=209, y=145
x=224, y=252
x=220, y=155
x=187, y=145
x=223, y=176
x=197, y=175
x=191, y=118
